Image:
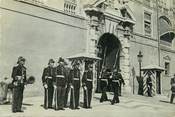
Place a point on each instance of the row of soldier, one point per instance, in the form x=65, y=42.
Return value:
x=56, y=79
x=58, y=82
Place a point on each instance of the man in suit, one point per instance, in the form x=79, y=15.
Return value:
x=47, y=80
x=19, y=80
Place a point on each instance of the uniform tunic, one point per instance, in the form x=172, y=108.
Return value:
x=115, y=88
x=19, y=79
x=87, y=82
x=172, y=89
x=60, y=80
x=103, y=86
x=47, y=78
x=75, y=92
x=149, y=86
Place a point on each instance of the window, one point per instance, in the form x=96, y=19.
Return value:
x=70, y=6
x=167, y=68
x=147, y=24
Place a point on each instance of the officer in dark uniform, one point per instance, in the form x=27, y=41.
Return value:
x=19, y=80
x=122, y=82
x=149, y=85
x=60, y=84
x=115, y=86
x=87, y=83
x=47, y=80
x=172, y=89
x=75, y=85
x=103, y=84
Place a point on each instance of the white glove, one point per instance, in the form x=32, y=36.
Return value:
x=15, y=83
x=54, y=86
x=45, y=86
x=71, y=86
x=85, y=88
x=110, y=76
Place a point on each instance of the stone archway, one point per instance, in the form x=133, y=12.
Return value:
x=102, y=23
x=109, y=50
x=109, y=47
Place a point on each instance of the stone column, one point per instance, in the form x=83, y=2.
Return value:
x=125, y=62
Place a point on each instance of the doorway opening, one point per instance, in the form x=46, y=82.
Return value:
x=109, y=51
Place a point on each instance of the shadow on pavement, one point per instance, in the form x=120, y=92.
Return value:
x=166, y=102
x=27, y=104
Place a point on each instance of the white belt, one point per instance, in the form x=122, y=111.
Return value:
x=104, y=80
x=48, y=77
x=19, y=77
x=59, y=76
x=76, y=78
x=89, y=80
x=115, y=81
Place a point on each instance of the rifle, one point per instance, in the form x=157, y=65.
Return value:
x=103, y=64
x=115, y=62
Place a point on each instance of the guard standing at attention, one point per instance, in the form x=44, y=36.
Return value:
x=115, y=87
x=87, y=83
x=60, y=84
x=121, y=80
x=103, y=84
x=149, y=85
x=19, y=80
x=47, y=80
x=172, y=89
x=74, y=77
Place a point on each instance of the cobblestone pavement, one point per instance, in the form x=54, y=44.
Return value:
x=129, y=106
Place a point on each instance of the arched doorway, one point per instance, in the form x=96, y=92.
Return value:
x=109, y=51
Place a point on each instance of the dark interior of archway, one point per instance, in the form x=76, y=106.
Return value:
x=112, y=45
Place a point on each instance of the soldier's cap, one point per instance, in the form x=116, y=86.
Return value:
x=20, y=58
x=51, y=61
x=61, y=60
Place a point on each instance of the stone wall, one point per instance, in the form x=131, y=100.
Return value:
x=38, y=34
